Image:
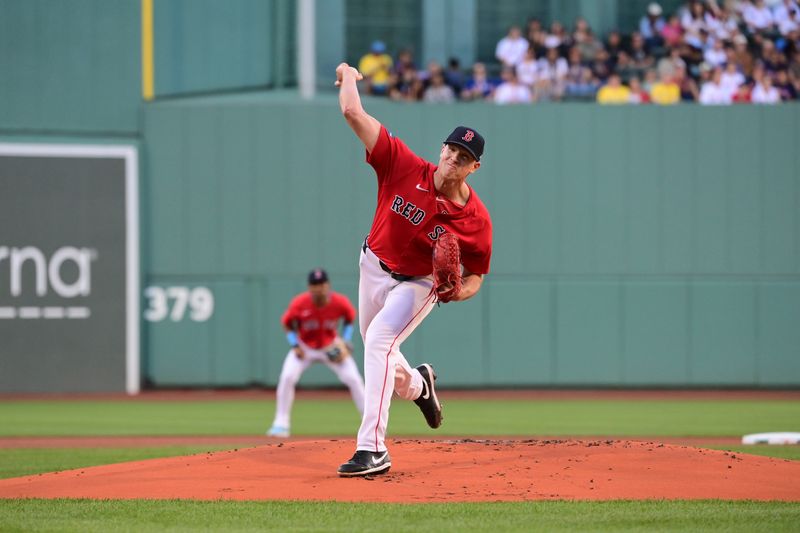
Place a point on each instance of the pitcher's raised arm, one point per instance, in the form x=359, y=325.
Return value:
x=365, y=126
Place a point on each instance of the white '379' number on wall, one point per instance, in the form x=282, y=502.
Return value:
x=199, y=301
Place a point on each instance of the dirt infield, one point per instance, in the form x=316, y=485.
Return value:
x=435, y=471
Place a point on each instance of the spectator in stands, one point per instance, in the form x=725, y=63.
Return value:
x=613, y=47
x=454, y=77
x=511, y=91
x=652, y=25
x=406, y=87
x=744, y=59
x=376, y=68
x=794, y=70
x=613, y=92
x=602, y=66
x=693, y=22
x=536, y=40
x=667, y=65
x=626, y=68
x=405, y=61
x=787, y=17
x=638, y=94
x=430, y=71
x=724, y=25
x=758, y=18
x=579, y=82
x=764, y=92
x=785, y=87
x=665, y=91
x=713, y=92
x=585, y=40
x=716, y=56
x=557, y=37
x=686, y=85
x=528, y=69
x=672, y=32
x=742, y=94
x=511, y=49
x=640, y=57
x=478, y=87
x=438, y=92
x=552, y=77
x=772, y=58
x=731, y=78
x=533, y=29
x=650, y=80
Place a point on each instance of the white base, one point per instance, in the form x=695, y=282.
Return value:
x=783, y=437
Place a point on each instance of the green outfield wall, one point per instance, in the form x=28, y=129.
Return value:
x=634, y=246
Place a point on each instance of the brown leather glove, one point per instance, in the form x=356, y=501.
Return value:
x=446, y=267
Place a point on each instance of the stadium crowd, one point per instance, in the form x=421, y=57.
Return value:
x=709, y=51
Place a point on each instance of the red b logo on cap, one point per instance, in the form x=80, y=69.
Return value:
x=469, y=135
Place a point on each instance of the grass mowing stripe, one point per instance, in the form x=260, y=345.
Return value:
x=173, y=515
x=15, y=462
x=462, y=417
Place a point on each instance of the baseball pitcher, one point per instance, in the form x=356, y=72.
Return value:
x=430, y=240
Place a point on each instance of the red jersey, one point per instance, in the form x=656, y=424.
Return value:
x=411, y=215
x=318, y=325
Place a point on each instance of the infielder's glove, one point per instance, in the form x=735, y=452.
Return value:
x=338, y=351
x=446, y=267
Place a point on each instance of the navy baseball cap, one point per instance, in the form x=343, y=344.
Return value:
x=317, y=276
x=469, y=139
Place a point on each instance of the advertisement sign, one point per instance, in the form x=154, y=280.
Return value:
x=69, y=268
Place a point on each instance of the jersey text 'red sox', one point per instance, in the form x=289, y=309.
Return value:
x=411, y=215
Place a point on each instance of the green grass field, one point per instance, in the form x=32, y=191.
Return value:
x=654, y=418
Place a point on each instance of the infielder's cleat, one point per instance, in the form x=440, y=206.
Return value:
x=278, y=431
x=365, y=463
x=427, y=402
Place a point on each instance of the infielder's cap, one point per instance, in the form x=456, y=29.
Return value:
x=317, y=276
x=469, y=139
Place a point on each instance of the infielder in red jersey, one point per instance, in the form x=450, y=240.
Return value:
x=417, y=203
x=312, y=323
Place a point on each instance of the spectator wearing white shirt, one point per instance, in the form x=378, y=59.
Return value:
x=785, y=11
x=552, y=73
x=715, y=56
x=764, y=92
x=724, y=26
x=693, y=20
x=713, y=92
x=528, y=69
x=758, y=17
x=731, y=78
x=787, y=17
x=511, y=91
x=438, y=91
x=511, y=48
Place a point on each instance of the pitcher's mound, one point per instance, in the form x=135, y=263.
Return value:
x=435, y=471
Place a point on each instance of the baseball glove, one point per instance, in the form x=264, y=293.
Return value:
x=446, y=267
x=337, y=351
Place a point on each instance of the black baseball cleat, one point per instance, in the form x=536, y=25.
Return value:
x=427, y=402
x=365, y=463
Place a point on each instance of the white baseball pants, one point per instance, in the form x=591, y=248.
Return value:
x=388, y=310
x=293, y=368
